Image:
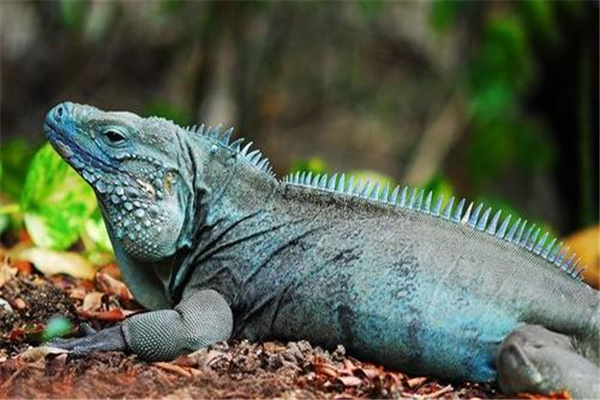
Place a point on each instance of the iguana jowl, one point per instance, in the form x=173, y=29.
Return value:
x=215, y=245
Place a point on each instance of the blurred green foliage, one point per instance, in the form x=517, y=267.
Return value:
x=56, y=327
x=165, y=110
x=15, y=155
x=55, y=201
x=499, y=74
x=316, y=165
x=55, y=205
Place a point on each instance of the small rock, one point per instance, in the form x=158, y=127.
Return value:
x=5, y=305
x=19, y=303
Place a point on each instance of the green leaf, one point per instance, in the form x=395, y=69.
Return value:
x=72, y=13
x=166, y=110
x=15, y=155
x=56, y=327
x=4, y=222
x=95, y=235
x=439, y=185
x=316, y=165
x=56, y=202
x=372, y=176
x=443, y=14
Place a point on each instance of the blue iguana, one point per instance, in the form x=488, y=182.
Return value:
x=216, y=246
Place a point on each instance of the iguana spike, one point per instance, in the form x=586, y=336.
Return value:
x=475, y=216
x=253, y=154
x=519, y=236
x=571, y=269
x=350, y=187
x=567, y=264
x=385, y=193
x=226, y=136
x=458, y=211
x=358, y=187
x=394, y=196
x=426, y=209
x=524, y=238
x=308, y=178
x=331, y=184
x=448, y=210
x=375, y=192
x=554, y=253
x=561, y=257
x=341, y=183
x=366, y=189
x=214, y=132
x=438, y=205
x=492, y=226
x=236, y=144
x=302, y=177
x=323, y=182
x=549, y=246
x=502, y=231
x=540, y=244
x=533, y=239
x=511, y=233
x=467, y=217
x=403, y=196
x=200, y=129
x=262, y=164
x=244, y=151
x=413, y=198
x=315, y=180
x=482, y=223
x=418, y=201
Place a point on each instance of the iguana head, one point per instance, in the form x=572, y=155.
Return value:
x=137, y=168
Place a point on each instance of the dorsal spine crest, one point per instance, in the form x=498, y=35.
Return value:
x=519, y=233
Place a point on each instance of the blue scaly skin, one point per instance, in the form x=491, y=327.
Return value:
x=216, y=246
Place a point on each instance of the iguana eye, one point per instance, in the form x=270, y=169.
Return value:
x=114, y=136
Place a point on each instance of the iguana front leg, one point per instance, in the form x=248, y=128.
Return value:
x=200, y=319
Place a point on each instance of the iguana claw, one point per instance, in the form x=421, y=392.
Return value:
x=110, y=339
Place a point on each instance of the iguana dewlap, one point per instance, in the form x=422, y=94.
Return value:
x=215, y=245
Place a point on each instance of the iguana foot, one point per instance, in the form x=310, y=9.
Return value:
x=536, y=360
x=111, y=339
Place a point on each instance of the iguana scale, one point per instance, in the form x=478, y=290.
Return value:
x=215, y=245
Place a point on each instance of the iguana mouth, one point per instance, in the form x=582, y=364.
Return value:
x=80, y=159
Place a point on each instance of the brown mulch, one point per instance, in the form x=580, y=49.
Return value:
x=238, y=369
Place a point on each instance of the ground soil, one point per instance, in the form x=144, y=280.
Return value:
x=238, y=369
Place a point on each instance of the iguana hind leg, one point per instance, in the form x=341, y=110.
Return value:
x=201, y=319
x=535, y=360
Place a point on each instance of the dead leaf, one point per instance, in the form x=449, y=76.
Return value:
x=416, y=382
x=437, y=393
x=92, y=301
x=6, y=273
x=52, y=262
x=350, y=381
x=23, y=266
x=115, y=314
x=110, y=285
x=36, y=353
x=173, y=368
x=326, y=369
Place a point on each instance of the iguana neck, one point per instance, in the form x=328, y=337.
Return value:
x=228, y=190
